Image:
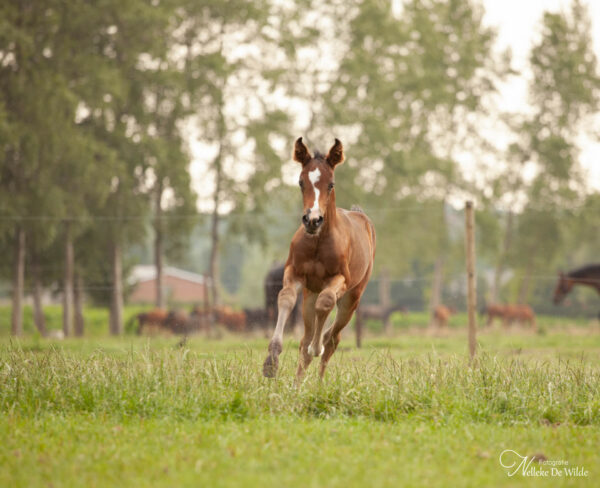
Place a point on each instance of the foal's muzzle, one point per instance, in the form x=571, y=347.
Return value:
x=312, y=224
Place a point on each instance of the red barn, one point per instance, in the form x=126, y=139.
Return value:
x=180, y=286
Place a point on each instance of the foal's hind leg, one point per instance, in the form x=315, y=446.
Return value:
x=346, y=307
x=323, y=307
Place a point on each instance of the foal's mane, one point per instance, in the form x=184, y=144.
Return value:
x=319, y=155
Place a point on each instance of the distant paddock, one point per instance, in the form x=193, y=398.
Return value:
x=96, y=319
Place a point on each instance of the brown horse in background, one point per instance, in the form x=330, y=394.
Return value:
x=331, y=259
x=585, y=276
x=493, y=311
x=378, y=312
x=160, y=322
x=510, y=314
x=441, y=315
x=151, y=321
x=522, y=314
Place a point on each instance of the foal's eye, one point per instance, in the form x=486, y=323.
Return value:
x=301, y=183
x=330, y=186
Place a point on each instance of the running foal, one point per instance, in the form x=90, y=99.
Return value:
x=330, y=259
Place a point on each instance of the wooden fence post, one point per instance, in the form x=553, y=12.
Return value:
x=471, y=293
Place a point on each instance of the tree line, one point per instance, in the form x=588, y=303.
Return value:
x=103, y=105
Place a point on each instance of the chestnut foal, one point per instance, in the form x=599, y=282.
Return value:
x=331, y=258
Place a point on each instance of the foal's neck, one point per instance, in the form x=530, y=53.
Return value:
x=330, y=215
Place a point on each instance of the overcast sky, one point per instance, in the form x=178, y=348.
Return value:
x=518, y=27
x=518, y=23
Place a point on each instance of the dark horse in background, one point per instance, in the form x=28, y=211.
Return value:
x=586, y=276
x=273, y=285
x=330, y=260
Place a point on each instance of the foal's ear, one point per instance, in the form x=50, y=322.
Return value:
x=335, y=155
x=301, y=153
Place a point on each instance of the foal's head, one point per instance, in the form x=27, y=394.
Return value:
x=563, y=287
x=316, y=183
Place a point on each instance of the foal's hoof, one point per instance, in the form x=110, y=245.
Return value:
x=312, y=352
x=270, y=366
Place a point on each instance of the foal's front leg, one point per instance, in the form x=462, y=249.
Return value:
x=285, y=302
x=323, y=307
x=308, y=314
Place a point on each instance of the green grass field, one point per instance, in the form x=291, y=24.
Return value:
x=402, y=411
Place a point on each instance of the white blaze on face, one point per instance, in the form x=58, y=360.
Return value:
x=314, y=177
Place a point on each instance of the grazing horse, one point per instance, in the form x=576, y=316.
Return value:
x=232, y=320
x=586, y=276
x=441, y=315
x=494, y=310
x=511, y=313
x=380, y=313
x=521, y=314
x=331, y=259
x=151, y=321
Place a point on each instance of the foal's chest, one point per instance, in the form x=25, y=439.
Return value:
x=317, y=270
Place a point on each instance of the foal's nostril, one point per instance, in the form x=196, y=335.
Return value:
x=311, y=224
x=315, y=223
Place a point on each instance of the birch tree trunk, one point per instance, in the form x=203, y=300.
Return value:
x=158, y=251
x=78, y=298
x=436, y=286
x=214, y=250
x=495, y=291
x=358, y=325
x=16, y=328
x=438, y=269
x=214, y=259
x=525, y=285
x=68, y=283
x=384, y=298
x=38, y=308
x=116, y=308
